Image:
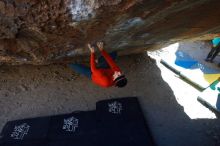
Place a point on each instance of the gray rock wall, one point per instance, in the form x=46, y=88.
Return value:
x=57, y=31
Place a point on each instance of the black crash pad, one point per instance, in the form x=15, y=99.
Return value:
x=25, y=132
x=77, y=128
x=121, y=123
x=70, y=126
x=115, y=122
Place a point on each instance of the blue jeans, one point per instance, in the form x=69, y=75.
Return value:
x=86, y=71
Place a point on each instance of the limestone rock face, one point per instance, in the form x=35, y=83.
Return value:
x=49, y=31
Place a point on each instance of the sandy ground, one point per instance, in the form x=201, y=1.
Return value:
x=30, y=91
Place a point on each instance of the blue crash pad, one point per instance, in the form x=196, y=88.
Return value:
x=192, y=70
x=184, y=60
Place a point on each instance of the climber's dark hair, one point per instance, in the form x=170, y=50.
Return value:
x=120, y=81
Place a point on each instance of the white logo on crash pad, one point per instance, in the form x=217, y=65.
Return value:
x=115, y=107
x=20, y=131
x=70, y=124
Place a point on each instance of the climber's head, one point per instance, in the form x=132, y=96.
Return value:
x=119, y=80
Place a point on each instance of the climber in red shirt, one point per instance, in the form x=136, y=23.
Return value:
x=106, y=73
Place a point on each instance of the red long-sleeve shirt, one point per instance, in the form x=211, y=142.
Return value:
x=103, y=77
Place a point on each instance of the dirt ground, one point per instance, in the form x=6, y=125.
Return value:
x=31, y=91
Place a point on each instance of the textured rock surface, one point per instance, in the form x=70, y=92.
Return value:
x=48, y=31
